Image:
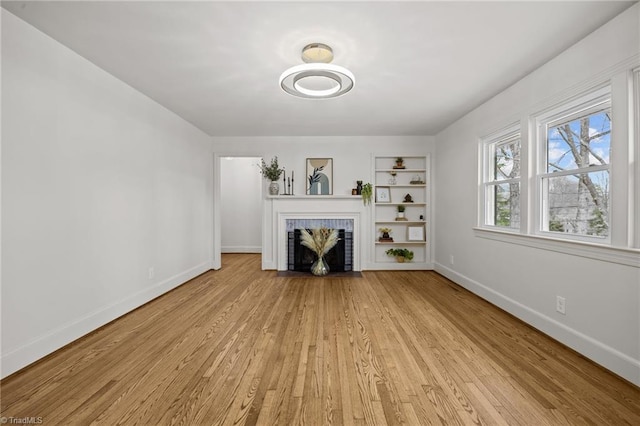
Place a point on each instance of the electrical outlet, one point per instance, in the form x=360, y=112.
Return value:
x=152, y=273
x=451, y=259
x=560, y=304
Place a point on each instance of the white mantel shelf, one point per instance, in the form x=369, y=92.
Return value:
x=314, y=197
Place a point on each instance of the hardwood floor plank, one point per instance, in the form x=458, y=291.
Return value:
x=241, y=346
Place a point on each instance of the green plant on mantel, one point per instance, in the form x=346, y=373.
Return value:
x=271, y=171
x=367, y=193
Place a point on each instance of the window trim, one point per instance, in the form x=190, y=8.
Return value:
x=634, y=205
x=605, y=253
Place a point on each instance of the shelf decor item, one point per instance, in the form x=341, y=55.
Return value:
x=401, y=254
x=320, y=241
x=272, y=172
x=367, y=193
x=401, y=209
x=392, y=179
x=399, y=163
x=416, y=180
x=320, y=176
x=383, y=194
x=385, y=238
x=415, y=233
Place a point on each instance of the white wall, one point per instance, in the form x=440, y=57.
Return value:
x=602, y=298
x=351, y=162
x=99, y=184
x=240, y=205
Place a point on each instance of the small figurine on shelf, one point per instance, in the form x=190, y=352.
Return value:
x=408, y=198
x=416, y=180
x=399, y=163
x=385, y=238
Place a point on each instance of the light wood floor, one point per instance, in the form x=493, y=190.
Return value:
x=243, y=346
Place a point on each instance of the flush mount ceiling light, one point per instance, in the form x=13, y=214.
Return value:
x=317, y=78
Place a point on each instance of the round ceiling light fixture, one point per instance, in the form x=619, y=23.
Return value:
x=317, y=78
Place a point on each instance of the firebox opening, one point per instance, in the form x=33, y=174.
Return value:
x=339, y=258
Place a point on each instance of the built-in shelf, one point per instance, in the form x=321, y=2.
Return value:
x=400, y=222
x=401, y=203
x=411, y=185
x=402, y=170
x=397, y=184
x=400, y=243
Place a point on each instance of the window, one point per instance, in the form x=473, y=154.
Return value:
x=574, y=170
x=567, y=178
x=502, y=180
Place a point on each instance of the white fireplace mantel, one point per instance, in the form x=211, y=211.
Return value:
x=280, y=209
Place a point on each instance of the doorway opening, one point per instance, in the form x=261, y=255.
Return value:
x=240, y=205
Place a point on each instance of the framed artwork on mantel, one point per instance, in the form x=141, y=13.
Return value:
x=319, y=176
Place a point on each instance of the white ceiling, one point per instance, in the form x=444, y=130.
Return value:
x=418, y=65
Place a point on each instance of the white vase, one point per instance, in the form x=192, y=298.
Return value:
x=274, y=188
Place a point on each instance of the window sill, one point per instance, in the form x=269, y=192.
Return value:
x=620, y=255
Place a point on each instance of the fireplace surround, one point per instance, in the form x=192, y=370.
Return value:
x=287, y=222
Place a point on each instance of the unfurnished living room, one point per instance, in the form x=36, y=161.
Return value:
x=331, y=212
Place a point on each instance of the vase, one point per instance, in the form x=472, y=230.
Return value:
x=320, y=267
x=274, y=188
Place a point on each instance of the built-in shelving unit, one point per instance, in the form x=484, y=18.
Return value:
x=392, y=184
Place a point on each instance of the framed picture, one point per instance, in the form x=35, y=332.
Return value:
x=415, y=233
x=320, y=176
x=383, y=194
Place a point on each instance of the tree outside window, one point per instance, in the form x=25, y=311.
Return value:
x=576, y=182
x=502, y=181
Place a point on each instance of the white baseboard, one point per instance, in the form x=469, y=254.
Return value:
x=67, y=333
x=608, y=357
x=241, y=249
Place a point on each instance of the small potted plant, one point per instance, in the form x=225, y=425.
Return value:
x=385, y=235
x=272, y=172
x=400, y=215
x=399, y=163
x=401, y=254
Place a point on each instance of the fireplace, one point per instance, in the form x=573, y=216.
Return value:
x=287, y=222
x=339, y=258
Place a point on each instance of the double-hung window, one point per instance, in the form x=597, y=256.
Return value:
x=501, y=186
x=573, y=169
x=567, y=177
